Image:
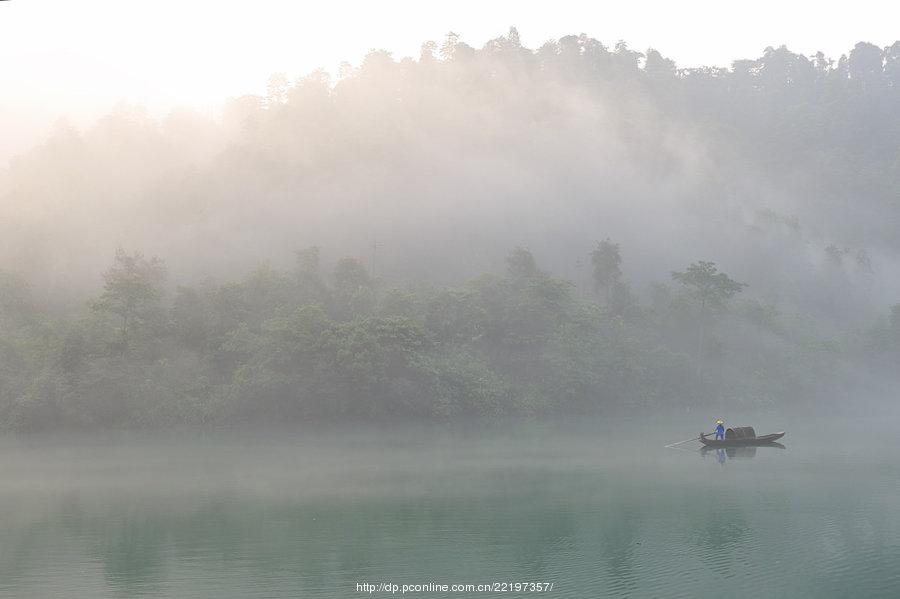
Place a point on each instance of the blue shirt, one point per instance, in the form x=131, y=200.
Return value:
x=720, y=430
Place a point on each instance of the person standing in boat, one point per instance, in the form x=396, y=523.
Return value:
x=720, y=429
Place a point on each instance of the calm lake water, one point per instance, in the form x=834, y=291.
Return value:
x=598, y=508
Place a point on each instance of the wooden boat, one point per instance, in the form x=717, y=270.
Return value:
x=738, y=436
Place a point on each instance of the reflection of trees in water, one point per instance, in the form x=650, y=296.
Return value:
x=17, y=550
x=719, y=535
x=132, y=551
x=129, y=546
x=546, y=527
x=593, y=532
x=307, y=544
x=618, y=534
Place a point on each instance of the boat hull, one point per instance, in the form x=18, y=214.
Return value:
x=761, y=440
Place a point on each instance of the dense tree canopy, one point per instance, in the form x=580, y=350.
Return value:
x=784, y=169
x=298, y=345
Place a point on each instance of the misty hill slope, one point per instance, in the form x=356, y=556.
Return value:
x=436, y=167
x=784, y=171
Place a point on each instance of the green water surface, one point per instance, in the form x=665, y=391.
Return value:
x=597, y=508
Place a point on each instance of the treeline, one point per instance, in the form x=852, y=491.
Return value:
x=786, y=168
x=305, y=345
x=463, y=152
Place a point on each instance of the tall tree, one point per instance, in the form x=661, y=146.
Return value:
x=607, y=271
x=353, y=288
x=658, y=66
x=866, y=63
x=132, y=289
x=711, y=289
x=520, y=264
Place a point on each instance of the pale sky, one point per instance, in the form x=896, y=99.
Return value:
x=77, y=58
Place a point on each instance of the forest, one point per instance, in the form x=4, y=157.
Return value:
x=487, y=232
x=301, y=344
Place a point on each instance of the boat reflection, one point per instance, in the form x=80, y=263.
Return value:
x=736, y=453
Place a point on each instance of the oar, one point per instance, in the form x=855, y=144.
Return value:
x=685, y=441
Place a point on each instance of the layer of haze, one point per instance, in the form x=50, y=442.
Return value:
x=77, y=59
x=435, y=167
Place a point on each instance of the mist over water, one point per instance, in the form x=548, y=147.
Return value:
x=599, y=508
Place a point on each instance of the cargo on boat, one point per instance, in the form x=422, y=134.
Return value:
x=740, y=435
